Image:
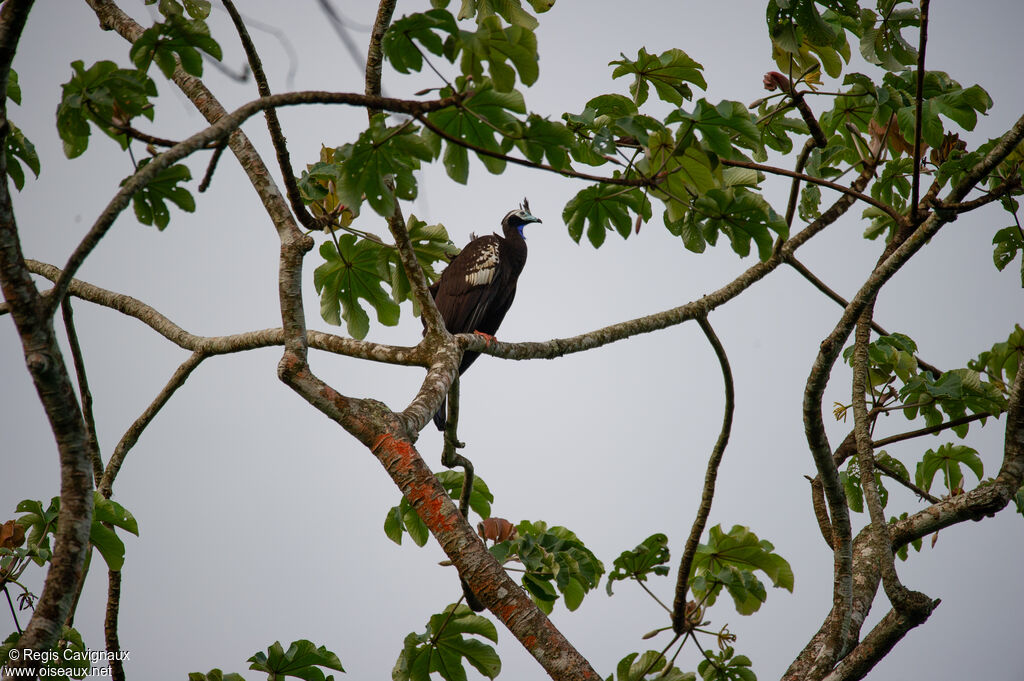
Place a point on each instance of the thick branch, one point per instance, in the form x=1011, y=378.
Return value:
x=49, y=373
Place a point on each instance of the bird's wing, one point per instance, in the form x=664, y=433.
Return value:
x=465, y=290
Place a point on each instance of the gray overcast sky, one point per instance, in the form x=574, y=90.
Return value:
x=261, y=521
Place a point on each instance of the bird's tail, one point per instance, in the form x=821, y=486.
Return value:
x=441, y=417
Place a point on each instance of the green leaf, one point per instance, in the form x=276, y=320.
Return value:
x=101, y=95
x=443, y=648
x=382, y=156
x=1002, y=361
x=510, y=10
x=480, y=498
x=476, y=122
x=1007, y=242
x=13, y=87
x=431, y=245
x=177, y=38
x=214, y=675
x=948, y=458
x=349, y=274
x=683, y=168
x=649, y=666
x=603, y=207
x=742, y=216
x=425, y=28
x=108, y=511
x=725, y=666
x=108, y=544
x=649, y=557
x=555, y=560
x=723, y=127
x=728, y=560
x=403, y=518
x=20, y=148
x=302, y=660
x=668, y=73
x=496, y=45
x=150, y=202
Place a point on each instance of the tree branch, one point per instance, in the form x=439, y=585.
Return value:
x=50, y=377
x=83, y=389
x=919, y=104
x=679, y=621
x=133, y=433
x=277, y=138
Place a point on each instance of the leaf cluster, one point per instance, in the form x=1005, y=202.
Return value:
x=302, y=660
x=555, y=561
x=41, y=524
x=444, y=647
x=69, y=660
x=356, y=270
x=648, y=666
x=650, y=557
x=729, y=560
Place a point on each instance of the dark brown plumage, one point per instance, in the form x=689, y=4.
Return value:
x=477, y=288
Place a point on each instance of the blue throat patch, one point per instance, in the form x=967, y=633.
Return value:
x=519, y=228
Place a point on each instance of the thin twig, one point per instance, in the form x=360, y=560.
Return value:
x=824, y=288
x=83, y=389
x=277, y=138
x=918, y=115
x=930, y=429
x=133, y=433
x=212, y=165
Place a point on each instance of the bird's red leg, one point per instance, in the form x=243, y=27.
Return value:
x=487, y=337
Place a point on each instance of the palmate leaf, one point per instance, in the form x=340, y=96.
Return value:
x=176, y=40
x=496, y=45
x=540, y=137
x=728, y=560
x=650, y=557
x=99, y=95
x=382, y=156
x=443, y=648
x=40, y=524
x=351, y=272
x=683, y=168
x=942, y=96
x=726, y=666
x=431, y=245
x=510, y=10
x=1002, y=362
x=649, y=666
x=668, y=72
x=723, y=127
x=215, y=675
x=948, y=458
x=803, y=39
x=425, y=28
x=150, y=202
x=1008, y=241
x=555, y=561
x=742, y=216
x=476, y=122
x=882, y=40
x=302, y=660
x=604, y=207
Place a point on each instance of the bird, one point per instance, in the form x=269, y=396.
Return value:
x=476, y=289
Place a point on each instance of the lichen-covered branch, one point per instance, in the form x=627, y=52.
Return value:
x=49, y=373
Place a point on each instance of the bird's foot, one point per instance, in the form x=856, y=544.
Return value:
x=488, y=338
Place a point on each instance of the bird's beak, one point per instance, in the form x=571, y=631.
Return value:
x=532, y=218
